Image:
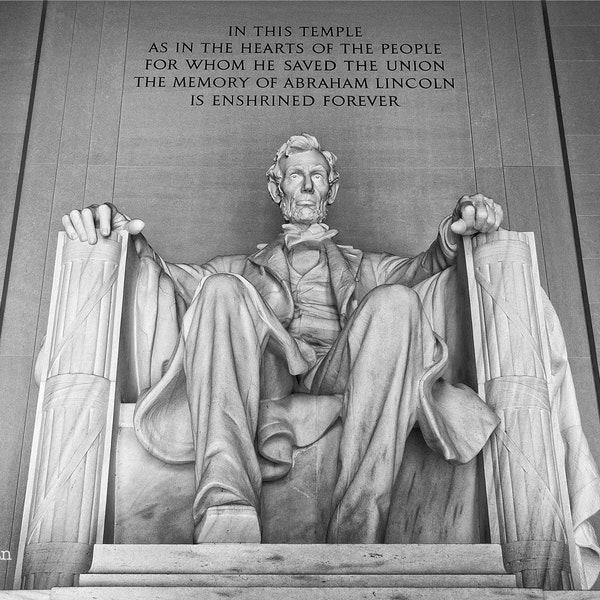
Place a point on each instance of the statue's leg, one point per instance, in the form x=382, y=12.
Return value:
x=377, y=363
x=226, y=330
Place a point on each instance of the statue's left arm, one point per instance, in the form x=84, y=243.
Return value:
x=472, y=214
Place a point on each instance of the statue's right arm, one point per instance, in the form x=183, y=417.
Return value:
x=85, y=225
x=100, y=220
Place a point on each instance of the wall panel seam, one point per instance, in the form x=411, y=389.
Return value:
x=116, y=165
x=507, y=207
x=462, y=36
x=87, y=162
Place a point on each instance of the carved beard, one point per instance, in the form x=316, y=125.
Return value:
x=303, y=214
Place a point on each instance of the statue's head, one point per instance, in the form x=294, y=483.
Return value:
x=303, y=180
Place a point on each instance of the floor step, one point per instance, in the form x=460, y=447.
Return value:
x=376, y=593
x=292, y=566
x=323, y=559
x=293, y=581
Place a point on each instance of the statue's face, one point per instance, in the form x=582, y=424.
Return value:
x=305, y=187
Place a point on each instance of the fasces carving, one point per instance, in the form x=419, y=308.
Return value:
x=524, y=459
x=67, y=485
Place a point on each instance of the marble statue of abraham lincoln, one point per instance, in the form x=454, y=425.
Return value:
x=255, y=336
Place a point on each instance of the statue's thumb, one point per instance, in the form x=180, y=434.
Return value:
x=459, y=227
x=135, y=226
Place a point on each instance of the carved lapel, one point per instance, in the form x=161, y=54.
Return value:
x=272, y=258
x=268, y=271
x=344, y=263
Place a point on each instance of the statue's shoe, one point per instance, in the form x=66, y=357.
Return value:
x=231, y=523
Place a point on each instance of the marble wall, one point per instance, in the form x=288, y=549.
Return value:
x=195, y=174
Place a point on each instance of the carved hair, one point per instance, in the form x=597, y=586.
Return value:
x=301, y=143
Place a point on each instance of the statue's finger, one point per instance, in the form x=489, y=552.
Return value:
x=69, y=229
x=119, y=219
x=75, y=216
x=468, y=214
x=456, y=213
x=499, y=217
x=105, y=218
x=481, y=216
x=87, y=218
x=491, y=219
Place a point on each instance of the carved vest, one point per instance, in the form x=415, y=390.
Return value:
x=316, y=317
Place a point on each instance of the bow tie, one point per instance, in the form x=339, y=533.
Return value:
x=316, y=233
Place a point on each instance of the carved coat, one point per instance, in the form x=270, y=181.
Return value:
x=165, y=291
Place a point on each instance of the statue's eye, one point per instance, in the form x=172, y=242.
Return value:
x=318, y=176
x=294, y=176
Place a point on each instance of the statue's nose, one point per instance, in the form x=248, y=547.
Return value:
x=307, y=184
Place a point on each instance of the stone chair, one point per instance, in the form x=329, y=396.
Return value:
x=91, y=482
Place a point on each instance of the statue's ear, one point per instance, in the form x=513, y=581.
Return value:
x=274, y=190
x=333, y=190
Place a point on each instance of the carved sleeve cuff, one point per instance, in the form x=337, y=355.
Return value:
x=447, y=239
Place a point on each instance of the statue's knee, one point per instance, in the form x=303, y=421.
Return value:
x=221, y=284
x=390, y=297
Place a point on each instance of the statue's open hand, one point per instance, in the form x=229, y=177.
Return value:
x=82, y=224
x=474, y=214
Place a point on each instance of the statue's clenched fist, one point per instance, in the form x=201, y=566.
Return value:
x=82, y=224
x=474, y=214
